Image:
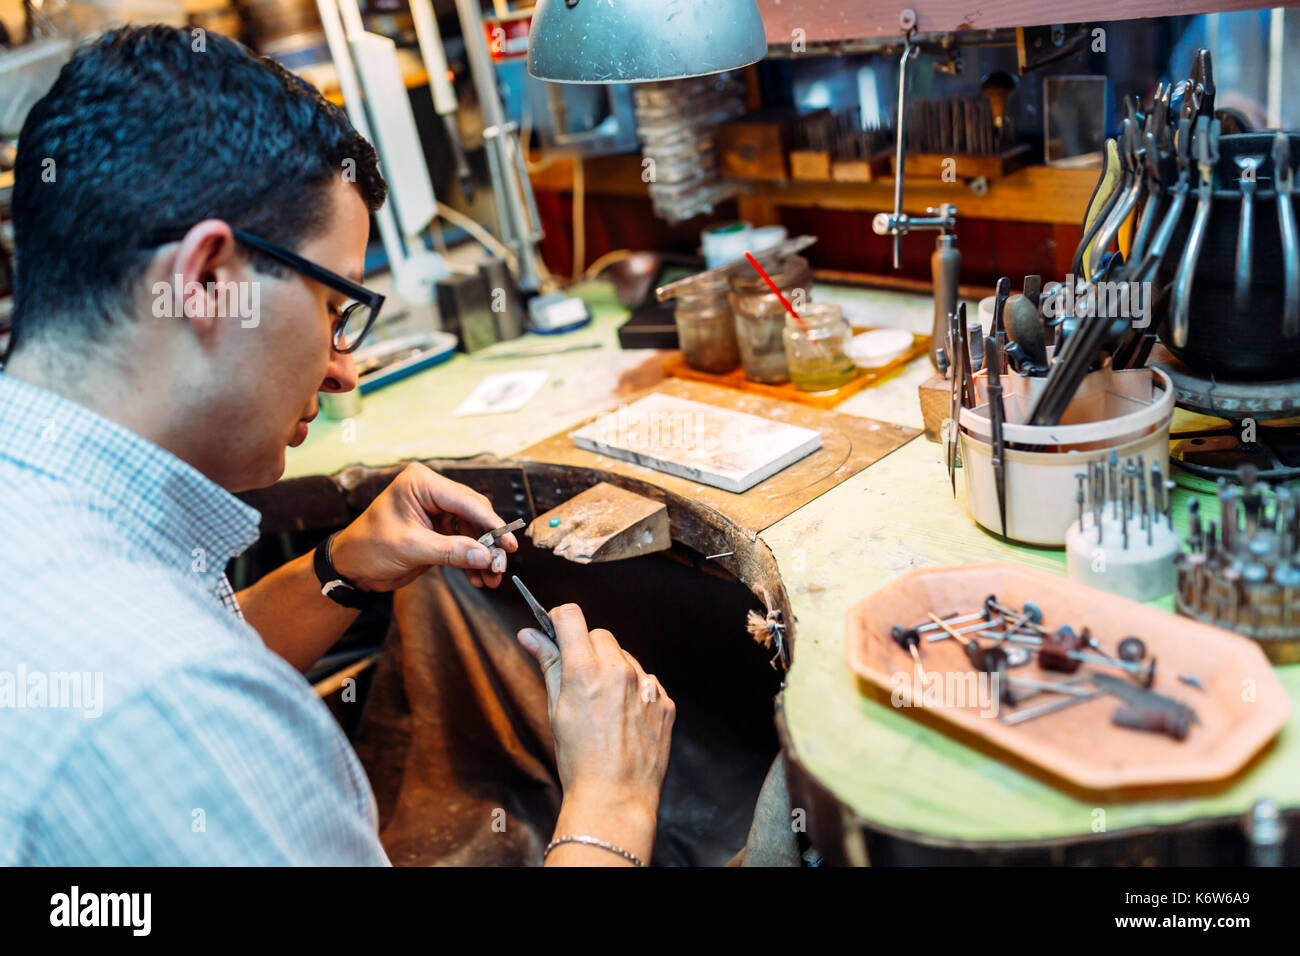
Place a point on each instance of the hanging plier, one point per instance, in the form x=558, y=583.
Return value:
x=1194, y=96
x=1284, y=177
x=1132, y=153
x=1151, y=159
x=1150, y=261
x=1206, y=144
x=1202, y=84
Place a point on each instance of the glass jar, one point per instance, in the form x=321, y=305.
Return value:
x=817, y=350
x=706, y=330
x=760, y=317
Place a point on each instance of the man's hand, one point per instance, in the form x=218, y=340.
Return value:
x=420, y=520
x=613, y=726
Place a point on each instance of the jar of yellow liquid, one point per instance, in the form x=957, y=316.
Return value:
x=817, y=349
x=760, y=316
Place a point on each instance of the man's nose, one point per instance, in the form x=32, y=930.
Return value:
x=341, y=376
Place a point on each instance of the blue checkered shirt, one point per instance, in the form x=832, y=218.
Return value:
x=142, y=720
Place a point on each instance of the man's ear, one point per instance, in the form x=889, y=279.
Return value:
x=207, y=254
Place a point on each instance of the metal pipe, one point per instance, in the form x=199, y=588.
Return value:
x=429, y=39
x=519, y=233
x=898, y=148
x=530, y=199
x=354, y=104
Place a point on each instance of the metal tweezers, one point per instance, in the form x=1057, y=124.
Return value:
x=997, y=418
x=543, y=618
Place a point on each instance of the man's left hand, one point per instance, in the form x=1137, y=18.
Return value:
x=420, y=520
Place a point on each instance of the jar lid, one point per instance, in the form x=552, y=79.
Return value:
x=704, y=289
x=790, y=270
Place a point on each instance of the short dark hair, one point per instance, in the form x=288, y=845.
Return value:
x=147, y=129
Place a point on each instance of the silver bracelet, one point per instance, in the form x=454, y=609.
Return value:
x=591, y=841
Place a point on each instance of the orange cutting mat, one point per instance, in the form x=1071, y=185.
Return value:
x=849, y=444
x=675, y=366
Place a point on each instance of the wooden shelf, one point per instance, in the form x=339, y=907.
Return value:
x=1032, y=194
x=966, y=168
x=818, y=20
x=604, y=175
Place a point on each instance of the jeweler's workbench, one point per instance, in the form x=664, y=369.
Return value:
x=916, y=790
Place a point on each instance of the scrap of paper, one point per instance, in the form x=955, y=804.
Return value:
x=503, y=392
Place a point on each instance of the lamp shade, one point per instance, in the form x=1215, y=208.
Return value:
x=630, y=41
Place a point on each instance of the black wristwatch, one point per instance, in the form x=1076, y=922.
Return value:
x=335, y=586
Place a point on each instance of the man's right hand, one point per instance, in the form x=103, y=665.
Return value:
x=613, y=725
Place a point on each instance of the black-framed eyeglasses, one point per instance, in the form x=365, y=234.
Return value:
x=354, y=320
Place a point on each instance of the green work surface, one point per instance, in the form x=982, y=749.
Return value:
x=888, y=767
x=413, y=418
x=897, y=515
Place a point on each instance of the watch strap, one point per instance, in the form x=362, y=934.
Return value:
x=339, y=589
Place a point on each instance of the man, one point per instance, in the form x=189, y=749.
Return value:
x=160, y=172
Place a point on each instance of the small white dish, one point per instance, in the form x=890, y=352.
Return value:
x=879, y=347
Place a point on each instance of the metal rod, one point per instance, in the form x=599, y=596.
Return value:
x=1056, y=688
x=1044, y=709
x=495, y=132
x=963, y=619
x=938, y=633
x=898, y=147
x=336, y=38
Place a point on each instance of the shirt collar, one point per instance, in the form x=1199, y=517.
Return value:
x=165, y=505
